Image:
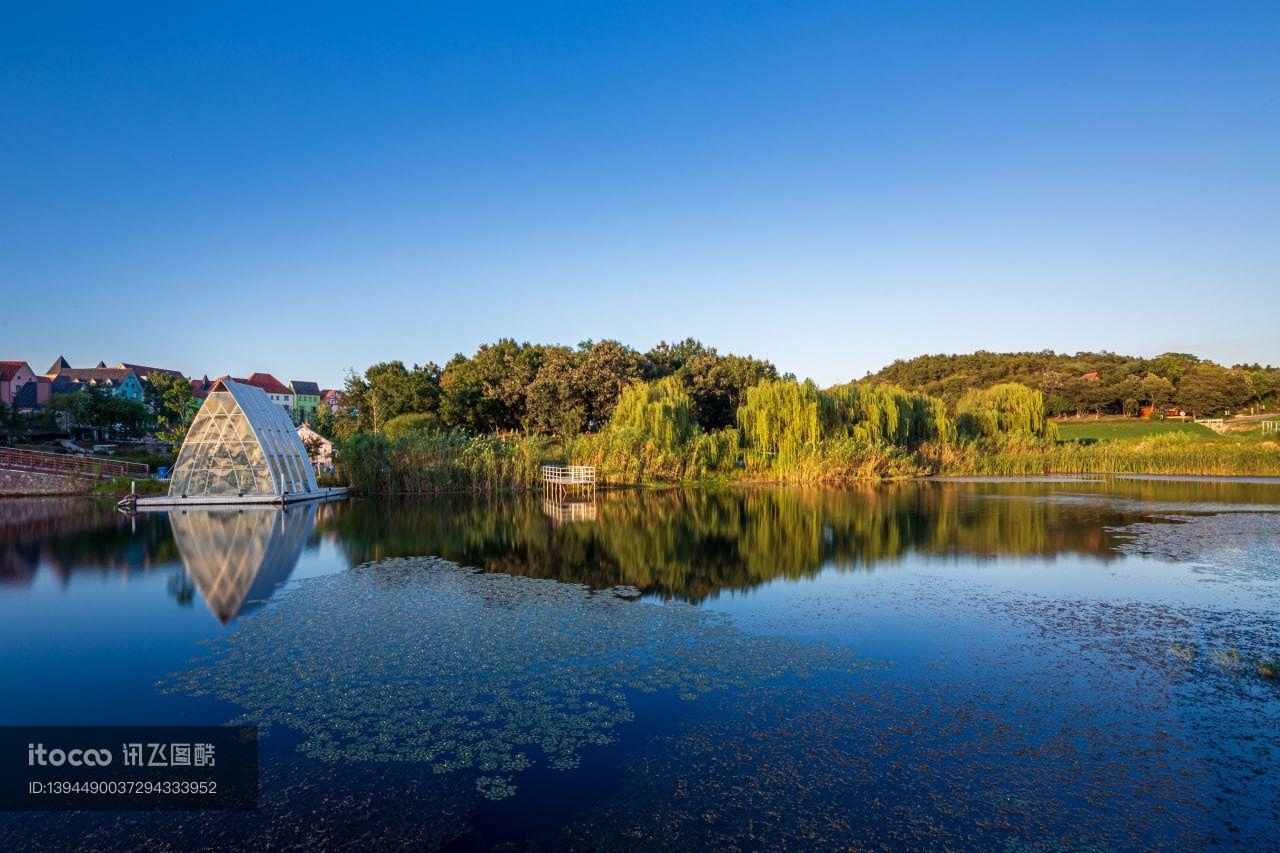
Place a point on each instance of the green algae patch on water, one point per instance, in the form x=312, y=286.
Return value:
x=1232, y=545
x=419, y=660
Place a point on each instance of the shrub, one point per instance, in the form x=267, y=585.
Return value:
x=402, y=425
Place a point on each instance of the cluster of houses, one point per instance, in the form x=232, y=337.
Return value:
x=22, y=389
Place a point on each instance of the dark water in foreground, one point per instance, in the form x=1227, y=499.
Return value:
x=937, y=665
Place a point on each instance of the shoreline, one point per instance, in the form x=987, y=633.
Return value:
x=1094, y=478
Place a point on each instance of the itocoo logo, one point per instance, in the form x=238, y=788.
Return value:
x=38, y=755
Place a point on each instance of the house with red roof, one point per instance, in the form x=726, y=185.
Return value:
x=332, y=398
x=200, y=387
x=279, y=393
x=14, y=377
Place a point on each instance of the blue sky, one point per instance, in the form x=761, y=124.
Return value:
x=300, y=190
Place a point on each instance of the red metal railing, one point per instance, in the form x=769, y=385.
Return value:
x=68, y=463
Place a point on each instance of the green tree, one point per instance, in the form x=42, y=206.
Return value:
x=667, y=359
x=463, y=404
x=1008, y=408
x=1266, y=384
x=505, y=370
x=402, y=425
x=661, y=411
x=1156, y=390
x=784, y=418
x=606, y=369
x=1210, y=389
x=718, y=384
x=174, y=406
x=386, y=390
x=887, y=415
x=556, y=402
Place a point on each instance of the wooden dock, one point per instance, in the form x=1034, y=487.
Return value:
x=561, y=479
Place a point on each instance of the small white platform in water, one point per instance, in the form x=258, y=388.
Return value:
x=168, y=501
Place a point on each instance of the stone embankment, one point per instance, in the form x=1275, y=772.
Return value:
x=39, y=483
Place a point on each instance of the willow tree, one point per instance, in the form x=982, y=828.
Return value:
x=661, y=411
x=785, y=418
x=888, y=415
x=930, y=420
x=1009, y=408
x=654, y=435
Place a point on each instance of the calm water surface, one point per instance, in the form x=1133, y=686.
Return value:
x=924, y=665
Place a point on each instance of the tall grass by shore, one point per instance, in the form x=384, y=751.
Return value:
x=1172, y=453
x=439, y=463
x=425, y=463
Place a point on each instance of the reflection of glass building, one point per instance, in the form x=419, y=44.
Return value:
x=236, y=557
x=241, y=448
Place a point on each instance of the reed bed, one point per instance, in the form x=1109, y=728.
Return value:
x=832, y=462
x=1172, y=453
x=439, y=463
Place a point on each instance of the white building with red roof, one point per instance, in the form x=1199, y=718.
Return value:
x=277, y=391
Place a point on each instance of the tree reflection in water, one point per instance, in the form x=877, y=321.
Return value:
x=693, y=544
x=683, y=544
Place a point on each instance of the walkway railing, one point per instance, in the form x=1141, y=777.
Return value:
x=569, y=475
x=560, y=479
x=67, y=463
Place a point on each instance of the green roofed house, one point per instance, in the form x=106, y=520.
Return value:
x=306, y=400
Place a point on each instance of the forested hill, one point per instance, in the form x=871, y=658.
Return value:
x=1093, y=382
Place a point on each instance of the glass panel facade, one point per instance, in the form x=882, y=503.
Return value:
x=241, y=445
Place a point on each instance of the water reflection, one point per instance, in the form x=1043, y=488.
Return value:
x=65, y=536
x=236, y=557
x=692, y=545
x=684, y=544
x=566, y=512
x=1023, y=709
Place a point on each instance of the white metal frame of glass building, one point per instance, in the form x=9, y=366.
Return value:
x=241, y=448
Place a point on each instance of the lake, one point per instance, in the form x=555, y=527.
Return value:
x=961, y=665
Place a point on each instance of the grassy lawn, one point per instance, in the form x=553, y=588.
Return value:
x=1127, y=429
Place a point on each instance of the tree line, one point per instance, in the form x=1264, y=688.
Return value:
x=562, y=391
x=552, y=390
x=1095, y=383
x=677, y=412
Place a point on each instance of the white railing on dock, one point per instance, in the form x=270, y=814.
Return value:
x=569, y=475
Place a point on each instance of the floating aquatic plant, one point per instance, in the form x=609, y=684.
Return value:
x=418, y=660
x=1229, y=658
x=1237, y=545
